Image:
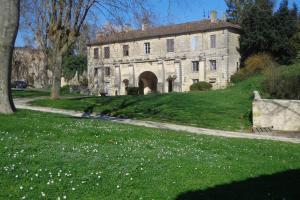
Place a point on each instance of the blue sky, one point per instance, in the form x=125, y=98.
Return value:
x=179, y=11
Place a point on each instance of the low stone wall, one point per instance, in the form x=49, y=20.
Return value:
x=282, y=115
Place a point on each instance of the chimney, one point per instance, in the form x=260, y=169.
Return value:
x=213, y=16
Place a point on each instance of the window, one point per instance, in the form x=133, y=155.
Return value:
x=213, y=65
x=96, y=53
x=106, y=52
x=195, y=81
x=107, y=71
x=195, y=43
x=147, y=48
x=170, y=45
x=213, y=41
x=125, y=50
x=195, y=66
x=96, y=72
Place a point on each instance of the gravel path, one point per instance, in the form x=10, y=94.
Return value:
x=22, y=103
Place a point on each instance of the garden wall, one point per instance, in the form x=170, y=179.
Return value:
x=283, y=115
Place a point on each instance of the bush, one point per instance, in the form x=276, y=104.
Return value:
x=255, y=64
x=239, y=76
x=201, y=86
x=283, y=83
x=132, y=91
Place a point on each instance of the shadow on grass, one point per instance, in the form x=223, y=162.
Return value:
x=283, y=185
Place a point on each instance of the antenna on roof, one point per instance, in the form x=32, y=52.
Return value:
x=204, y=14
x=208, y=15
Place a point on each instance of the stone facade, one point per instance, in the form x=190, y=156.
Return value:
x=28, y=65
x=165, y=63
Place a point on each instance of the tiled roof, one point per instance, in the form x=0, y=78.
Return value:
x=164, y=31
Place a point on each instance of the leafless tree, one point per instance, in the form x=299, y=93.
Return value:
x=63, y=21
x=9, y=22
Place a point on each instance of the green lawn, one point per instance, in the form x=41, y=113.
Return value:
x=46, y=156
x=29, y=93
x=228, y=109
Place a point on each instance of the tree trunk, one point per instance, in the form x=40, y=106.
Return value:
x=45, y=78
x=9, y=23
x=56, y=74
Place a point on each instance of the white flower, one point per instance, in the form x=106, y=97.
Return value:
x=21, y=187
x=73, y=189
x=118, y=186
x=43, y=194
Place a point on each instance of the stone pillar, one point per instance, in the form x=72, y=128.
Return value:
x=163, y=78
x=178, y=80
x=131, y=75
x=202, y=70
x=118, y=78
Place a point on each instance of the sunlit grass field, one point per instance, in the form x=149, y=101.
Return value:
x=47, y=156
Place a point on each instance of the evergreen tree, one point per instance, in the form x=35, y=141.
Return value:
x=257, y=29
x=285, y=25
x=236, y=9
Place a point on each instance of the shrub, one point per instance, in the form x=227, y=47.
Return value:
x=255, y=64
x=132, y=91
x=201, y=86
x=283, y=83
x=258, y=63
x=239, y=76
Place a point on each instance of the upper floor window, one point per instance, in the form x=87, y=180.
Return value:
x=147, y=48
x=195, y=43
x=125, y=50
x=213, y=65
x=170, y=45
x=195, y=66
x=106, y=52
x=213, y=41
x=96, y=53
x=107, y=71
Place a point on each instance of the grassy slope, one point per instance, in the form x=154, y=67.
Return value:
x=227, y=109
x=102, y=160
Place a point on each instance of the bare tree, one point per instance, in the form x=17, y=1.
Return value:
x=65, y=19
x=9, y=22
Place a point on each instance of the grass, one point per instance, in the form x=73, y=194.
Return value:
x=228, y=109
x=50, y=156
x=29, y=93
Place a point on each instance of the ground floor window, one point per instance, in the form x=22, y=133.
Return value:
x=213, y=65
x=195, y=66
x=107, y=71
x=195, y=81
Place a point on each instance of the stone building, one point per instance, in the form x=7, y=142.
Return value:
x=164, y=59
x=28, y=65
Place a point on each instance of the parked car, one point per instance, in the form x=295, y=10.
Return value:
x=19, y=84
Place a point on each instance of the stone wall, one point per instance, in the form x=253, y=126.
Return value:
x=282, y=115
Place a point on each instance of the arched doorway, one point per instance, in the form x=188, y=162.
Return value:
x=147, y=83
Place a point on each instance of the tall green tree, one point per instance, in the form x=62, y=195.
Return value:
x=236, y=9
x=257, y=29
x=285, y=25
